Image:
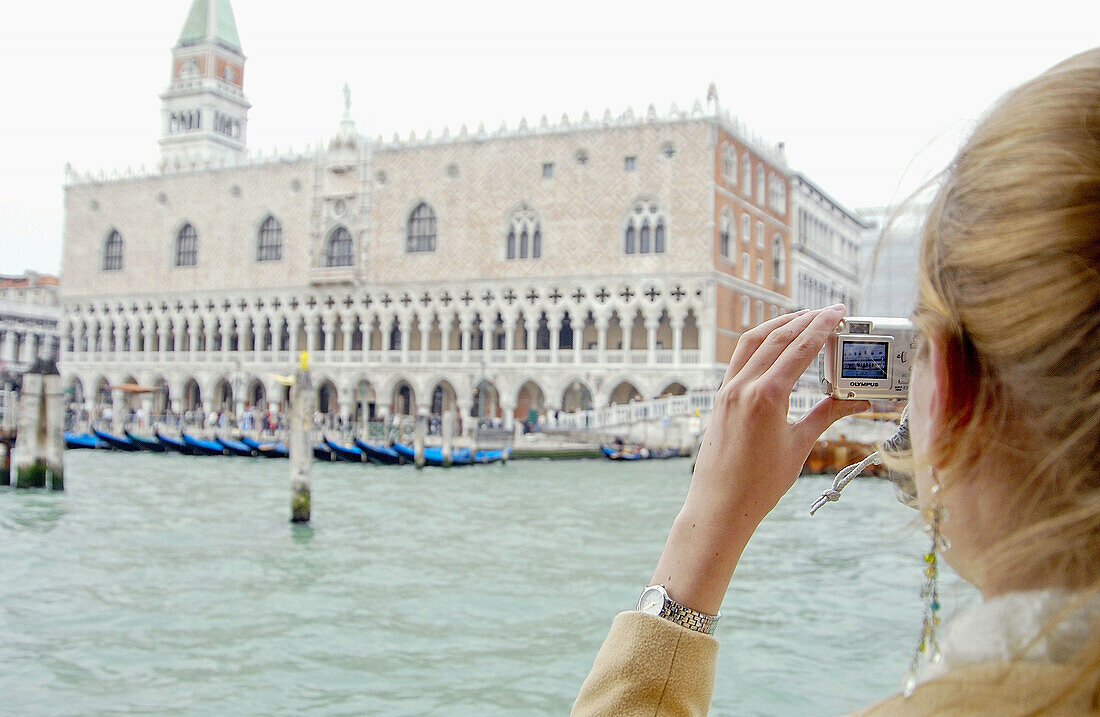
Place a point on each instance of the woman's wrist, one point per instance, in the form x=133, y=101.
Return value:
x=699, y=558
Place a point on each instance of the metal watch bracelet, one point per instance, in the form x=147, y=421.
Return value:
x=673, y=611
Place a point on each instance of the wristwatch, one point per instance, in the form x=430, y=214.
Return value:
x=655, y=601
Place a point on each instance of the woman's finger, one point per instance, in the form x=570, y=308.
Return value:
x=777, y=342
x=824, y=414
x=800, y=352
x=750, y=341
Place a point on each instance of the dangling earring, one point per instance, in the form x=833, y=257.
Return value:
x=928, y=648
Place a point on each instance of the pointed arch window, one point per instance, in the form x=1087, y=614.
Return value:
x=112, y=252
x=420, y=234
x=779, y=261
x=270, y=244
x=524, y=239
x=645, y=230
x=725, y=229
x=187, y=246
x=729, y=163
x=338, y=249
x=746, y=174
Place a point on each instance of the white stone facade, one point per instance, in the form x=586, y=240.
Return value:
x=826, y=248
x=553, y=267
x=29, y=316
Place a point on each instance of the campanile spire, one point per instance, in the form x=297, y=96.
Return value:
x=205, y=112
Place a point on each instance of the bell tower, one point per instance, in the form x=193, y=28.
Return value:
x=204, y=111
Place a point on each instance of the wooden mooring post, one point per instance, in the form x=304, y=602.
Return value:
x=447, y=428
x=420, y=430
x=38, y=455
x=300, y=448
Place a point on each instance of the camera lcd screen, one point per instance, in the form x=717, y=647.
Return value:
x=863, y=359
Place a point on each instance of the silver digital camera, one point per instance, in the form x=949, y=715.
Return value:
x=869, y=358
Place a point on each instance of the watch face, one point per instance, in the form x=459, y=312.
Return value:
x=652, y=600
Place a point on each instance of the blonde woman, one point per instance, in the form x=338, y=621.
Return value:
x=1005, y=420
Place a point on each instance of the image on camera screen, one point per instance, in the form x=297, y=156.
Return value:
x=863, y=359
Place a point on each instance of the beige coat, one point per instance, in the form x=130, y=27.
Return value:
x=650, y=666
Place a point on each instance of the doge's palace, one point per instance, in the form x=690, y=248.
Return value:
x=548, y=266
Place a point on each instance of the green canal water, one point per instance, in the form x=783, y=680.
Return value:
x=175, y=585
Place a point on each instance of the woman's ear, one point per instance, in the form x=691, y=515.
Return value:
x=937, y=384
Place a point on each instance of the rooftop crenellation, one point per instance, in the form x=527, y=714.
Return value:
x=628, y=118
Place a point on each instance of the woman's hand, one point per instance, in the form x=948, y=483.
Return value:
x=750, y=455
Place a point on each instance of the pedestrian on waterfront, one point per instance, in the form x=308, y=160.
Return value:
x=1004, y=415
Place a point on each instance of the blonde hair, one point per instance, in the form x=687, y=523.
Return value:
x=1010, y=284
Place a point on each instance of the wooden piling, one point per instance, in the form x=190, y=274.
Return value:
x=5, y=464
x=419, y=434
x=448, y=430
x=301, y=451
x=39, y=448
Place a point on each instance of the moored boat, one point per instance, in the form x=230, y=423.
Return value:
x=203, y=448
x=270, y=449
x=236, y=448
x=151, y=445
x=82, y=440
x=116, y=442
x=177, y=445
x=382, y=455
x=351, y=454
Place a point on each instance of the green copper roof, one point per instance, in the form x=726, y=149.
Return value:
x=213, y=23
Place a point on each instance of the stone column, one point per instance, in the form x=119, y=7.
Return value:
x=292, y=326
x=651, y=325
x=507, y=413
x=348, y=325
x=554, y=324
x=468, y=424
x=677, y=325
x=464, y=326
x=509, y=339
x=192, y=339
x=329, y=328
x=404, y=327
x=425, y=339
x=708, y=330
x=311, y=334
x=445, y=339
x=532, y=336
x=486, y=341
x=602, y=322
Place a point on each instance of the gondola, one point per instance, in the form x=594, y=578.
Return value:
x=492, y=456
x=351, y=454
x=177, y=445
x=236, y=448
x=151, y=445
x=382, y=455
x=433, y=455
x=322, y=452
x=203, y=448
x=271, y=449
x=641, y=454
x=119, y=444
x=82, y=440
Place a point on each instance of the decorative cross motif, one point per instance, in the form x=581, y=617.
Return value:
x=386, y=300
x=425, y=299
x=446, y=298
x=510, y=296
x=406, y=300
x=467, y=298
x=243, y=305
x=488, y=297
x=367, y=301
x=602, y=295
x=260, y=304
x=348, y=301
x=578, y=296
x=275, y=303
x=134, y=307
x=652, y=293
x=149, y=306
x=311, y=302
x=179, y=306
x=329, y=302
x=555, y=295
x=627, y=294
x=121, y=308
x=294, y=302
x=678, y=292
x=532, y=296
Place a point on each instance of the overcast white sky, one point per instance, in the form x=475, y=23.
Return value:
x=859, y=92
